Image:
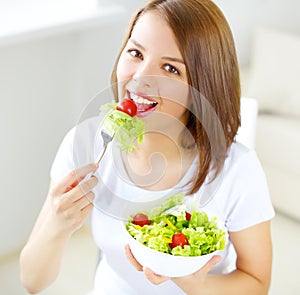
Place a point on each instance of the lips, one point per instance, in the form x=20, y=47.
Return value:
x=145, y=105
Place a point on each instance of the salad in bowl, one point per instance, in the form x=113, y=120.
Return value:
x=173, y=240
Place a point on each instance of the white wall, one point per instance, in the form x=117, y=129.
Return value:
x=244, y=16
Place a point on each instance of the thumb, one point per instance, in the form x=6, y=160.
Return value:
x=211, y=263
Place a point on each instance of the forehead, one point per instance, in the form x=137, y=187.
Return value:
x=152, y=29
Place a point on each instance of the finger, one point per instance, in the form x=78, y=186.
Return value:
x=73, y=178
x=82, y=189
x=153, y=277
x=74, y=184
x=71, y=198
x=132, y=259
x=85, y=212
x=211, y=263
x=85, y=200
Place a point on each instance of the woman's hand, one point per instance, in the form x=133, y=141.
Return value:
x=68, y=204
x=72, y=199
x=151, y=276
x=191, y=284
x=188, y=283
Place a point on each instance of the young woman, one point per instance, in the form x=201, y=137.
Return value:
x=178, y=63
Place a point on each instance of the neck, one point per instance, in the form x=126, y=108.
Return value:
x=159, y=162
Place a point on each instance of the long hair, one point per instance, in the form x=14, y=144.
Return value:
x=205, y=41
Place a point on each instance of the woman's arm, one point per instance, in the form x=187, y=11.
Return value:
x=253, y=273
x=67, y=206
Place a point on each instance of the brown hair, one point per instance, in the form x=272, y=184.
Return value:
x=207, y=47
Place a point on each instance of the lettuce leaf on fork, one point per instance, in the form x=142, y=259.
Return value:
x=127, y=130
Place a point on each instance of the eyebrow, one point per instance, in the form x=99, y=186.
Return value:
x=169, y=58
x=173, y=59
x=137, y=44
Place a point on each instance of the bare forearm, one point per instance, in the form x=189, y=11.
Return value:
x=235, y=283
x=40, y=261
x=67, y=206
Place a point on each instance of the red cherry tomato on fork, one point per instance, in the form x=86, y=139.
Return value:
x=127, y=106
x=141, y=219
x=179, y=240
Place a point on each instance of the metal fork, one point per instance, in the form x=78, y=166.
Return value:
x=107, y=138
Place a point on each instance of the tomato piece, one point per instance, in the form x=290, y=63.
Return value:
x=127, y=106
x=179, y=240
x=188, y=216
x=141, y=219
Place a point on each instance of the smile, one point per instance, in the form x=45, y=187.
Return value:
x=145, y=105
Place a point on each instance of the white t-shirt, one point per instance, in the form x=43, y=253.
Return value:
x=239, y=198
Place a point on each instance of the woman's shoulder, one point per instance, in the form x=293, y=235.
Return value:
x=79, y=146
x=238, y=149
x=87, y=127
x=242, y=163
x=84, y=132
x=240, y=154
x=245, y=178
x=245, y=184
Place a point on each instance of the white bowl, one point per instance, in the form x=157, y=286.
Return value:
x=166, y=264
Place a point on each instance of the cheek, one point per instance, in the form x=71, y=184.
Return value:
x=124, y=69
x=175, y=95
x=173, y=108
x=123, y=76
x=121, y=73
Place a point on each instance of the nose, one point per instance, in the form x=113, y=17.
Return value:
x=144, y=75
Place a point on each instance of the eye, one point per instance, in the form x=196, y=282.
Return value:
x=135, y=53
x=171, y=69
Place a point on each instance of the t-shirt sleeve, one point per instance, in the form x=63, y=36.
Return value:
x=63, y=161
x=79, y=147
x=250, y=203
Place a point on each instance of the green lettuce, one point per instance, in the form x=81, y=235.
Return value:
x=127, y=130
x=170, y=202
x=203, y=234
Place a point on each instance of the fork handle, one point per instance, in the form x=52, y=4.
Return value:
x=100, y=156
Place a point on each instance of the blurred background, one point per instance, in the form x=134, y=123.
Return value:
x=55, y=56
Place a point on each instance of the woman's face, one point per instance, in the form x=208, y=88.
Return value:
x=151, y=71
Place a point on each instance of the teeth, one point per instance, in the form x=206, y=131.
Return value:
x=140, y=100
